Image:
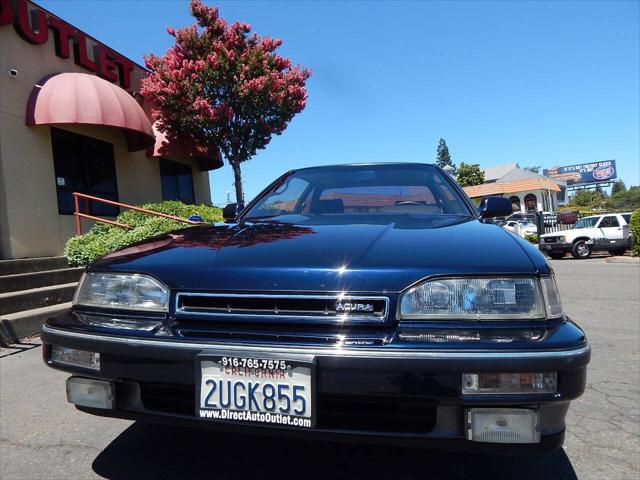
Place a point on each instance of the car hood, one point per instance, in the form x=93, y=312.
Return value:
x=302, y=253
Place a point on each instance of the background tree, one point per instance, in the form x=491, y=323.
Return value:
x=443, y=155
x=627, y=199
x=469, y=175
x=223, y=88
x=534, y=168
x=588, y=198
x=618, y=186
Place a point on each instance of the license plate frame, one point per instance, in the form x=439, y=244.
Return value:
x=293, y=361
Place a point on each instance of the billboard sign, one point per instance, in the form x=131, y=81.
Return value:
x=596, y=172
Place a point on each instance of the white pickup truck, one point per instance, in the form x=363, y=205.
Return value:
x=608, y=232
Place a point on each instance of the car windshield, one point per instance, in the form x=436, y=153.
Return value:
x=403, y=189
x=529, y=225
x=588, y=222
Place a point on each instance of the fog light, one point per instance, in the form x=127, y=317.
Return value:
x=502, y=425
x=91, y=393
x=509, y=383
x=75, y=358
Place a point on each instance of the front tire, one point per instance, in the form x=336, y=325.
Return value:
x=581, y=250
x=556, y=255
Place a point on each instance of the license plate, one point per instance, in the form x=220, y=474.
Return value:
x=268, y=391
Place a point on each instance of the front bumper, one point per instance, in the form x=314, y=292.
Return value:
x=407, y=395
x=555, y=247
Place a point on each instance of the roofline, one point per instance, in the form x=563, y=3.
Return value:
x=91, y=37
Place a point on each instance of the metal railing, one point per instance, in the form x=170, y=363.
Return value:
x=89, y=198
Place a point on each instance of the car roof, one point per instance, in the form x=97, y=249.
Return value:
x=363, y=164
x=606, y=214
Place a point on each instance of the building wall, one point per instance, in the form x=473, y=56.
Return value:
x=29, y=221
x=540, y=195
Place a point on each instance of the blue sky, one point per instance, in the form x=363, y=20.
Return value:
x=540, y=83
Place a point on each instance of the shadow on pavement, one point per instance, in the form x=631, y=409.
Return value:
x=159, y=452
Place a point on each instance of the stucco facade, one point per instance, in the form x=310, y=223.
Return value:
x=30, y=223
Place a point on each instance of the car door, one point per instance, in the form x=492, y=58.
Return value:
x=612, y=232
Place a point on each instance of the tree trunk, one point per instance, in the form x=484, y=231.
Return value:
x=237, y=175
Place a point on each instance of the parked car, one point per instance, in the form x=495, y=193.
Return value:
x=522, y=217
x=608, y=232
x=356, y=301
x=496, y=221
x=567, y=218
x=521, y=228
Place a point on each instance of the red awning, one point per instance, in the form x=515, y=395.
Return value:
x=176, y=148
x=80, y=98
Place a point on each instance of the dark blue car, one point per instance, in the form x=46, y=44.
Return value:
x=367, y=302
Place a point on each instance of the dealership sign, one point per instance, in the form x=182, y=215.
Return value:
x=596, y=172
x=35, y=24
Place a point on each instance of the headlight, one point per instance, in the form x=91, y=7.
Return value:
x=561, y=239
x=498, y=298
x=122, y=291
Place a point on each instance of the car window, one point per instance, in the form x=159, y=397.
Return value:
x=286, y=199
x=627, y=218
x=383, y=198
x=588, y=222
x=402, y=189
x=609, y=221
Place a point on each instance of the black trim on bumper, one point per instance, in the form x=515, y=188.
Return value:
x=547, y=443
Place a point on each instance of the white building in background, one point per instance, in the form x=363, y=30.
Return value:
x=528, y=191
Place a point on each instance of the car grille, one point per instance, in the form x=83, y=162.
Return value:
x=550, y=239
x=328, y=335
x=336, y=412
x=321, y=309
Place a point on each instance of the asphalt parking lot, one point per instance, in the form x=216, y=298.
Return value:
x=41, y=436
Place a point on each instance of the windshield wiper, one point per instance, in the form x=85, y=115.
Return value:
x=263, y=217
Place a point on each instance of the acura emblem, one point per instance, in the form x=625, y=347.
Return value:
x=346, y=307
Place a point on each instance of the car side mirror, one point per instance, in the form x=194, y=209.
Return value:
x=231, y=211
x=495, y=207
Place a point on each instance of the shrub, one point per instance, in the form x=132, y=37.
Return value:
x=635, y=233
x=532, y=238
x=104, y=238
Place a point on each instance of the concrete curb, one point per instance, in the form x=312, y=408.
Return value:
x=16, y=326
x=621, y=259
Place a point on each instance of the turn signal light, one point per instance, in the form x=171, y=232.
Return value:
x=509, y=383
x=75, y=358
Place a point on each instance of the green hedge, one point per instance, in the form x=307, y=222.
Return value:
x=635, y=232
x=532, y=238
x=103, y=238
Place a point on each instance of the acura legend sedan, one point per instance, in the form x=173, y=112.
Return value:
x=359, y=302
